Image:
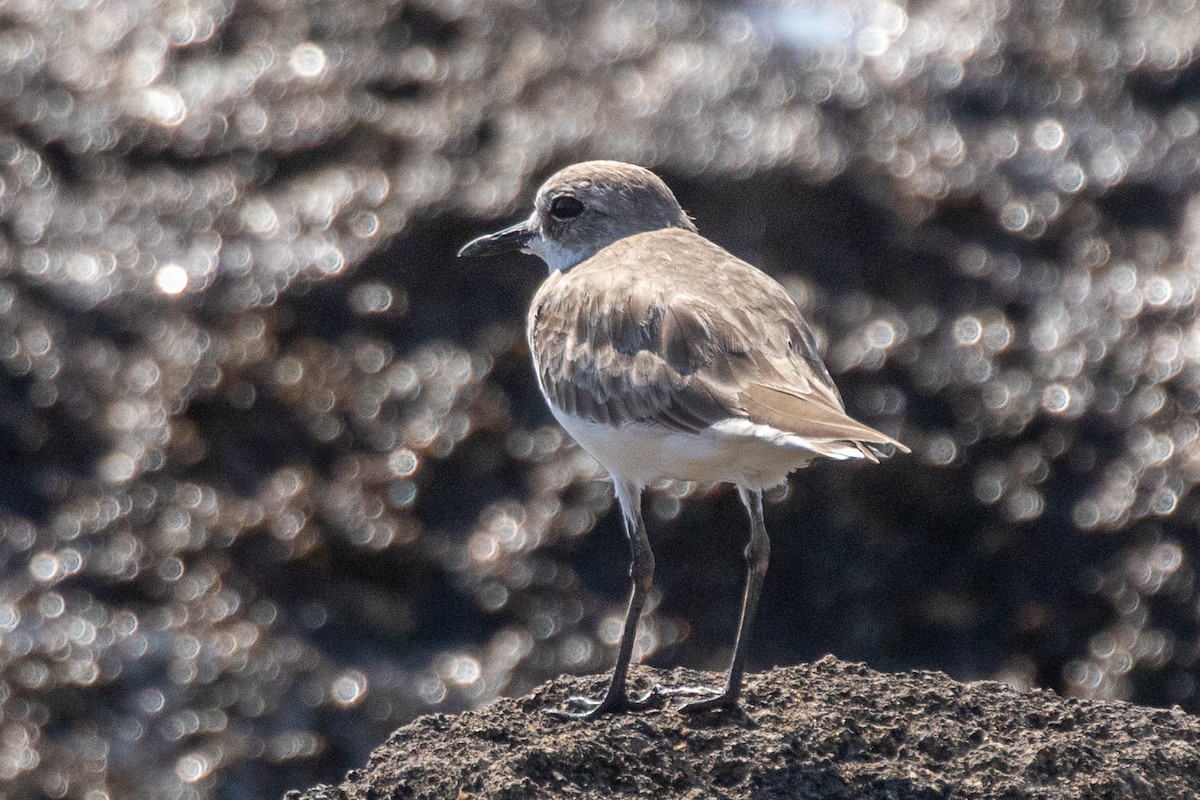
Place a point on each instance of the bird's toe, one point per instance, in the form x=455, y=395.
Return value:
x=716, y=699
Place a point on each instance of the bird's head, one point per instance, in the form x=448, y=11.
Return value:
x=582, y=209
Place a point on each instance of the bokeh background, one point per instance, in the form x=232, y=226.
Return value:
x=274, y=474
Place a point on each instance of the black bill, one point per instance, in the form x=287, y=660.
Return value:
x=511, y=238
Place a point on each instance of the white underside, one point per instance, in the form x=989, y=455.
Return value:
x=732, y=451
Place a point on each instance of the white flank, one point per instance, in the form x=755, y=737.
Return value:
x=732, y=451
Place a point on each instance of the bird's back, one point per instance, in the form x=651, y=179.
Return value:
x=666, y=329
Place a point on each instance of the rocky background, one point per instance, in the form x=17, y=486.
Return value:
x=827, y=730
x=274, y=475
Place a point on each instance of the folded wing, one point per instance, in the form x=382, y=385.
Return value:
x=650, y=337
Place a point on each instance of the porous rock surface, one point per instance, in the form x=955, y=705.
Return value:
x=826, y=730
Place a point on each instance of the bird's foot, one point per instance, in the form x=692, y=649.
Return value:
x=579, y=707
x=711, y=698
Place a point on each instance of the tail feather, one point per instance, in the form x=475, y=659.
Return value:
x=809, y=418
x=870, y=451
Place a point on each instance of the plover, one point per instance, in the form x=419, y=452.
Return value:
x=665, y=356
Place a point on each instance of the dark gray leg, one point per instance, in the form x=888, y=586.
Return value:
x=642, y=573
x=758, y=552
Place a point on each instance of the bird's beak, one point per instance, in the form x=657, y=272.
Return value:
x=514, y=237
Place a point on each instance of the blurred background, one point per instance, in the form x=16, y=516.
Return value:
x=274, y=474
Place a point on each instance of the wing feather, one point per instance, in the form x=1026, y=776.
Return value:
x=667, y=328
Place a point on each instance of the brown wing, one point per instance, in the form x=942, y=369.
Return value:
x=668, y=328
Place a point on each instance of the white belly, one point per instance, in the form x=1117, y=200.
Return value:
x=725, y=452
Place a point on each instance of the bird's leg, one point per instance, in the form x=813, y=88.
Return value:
x=641, y=572
x=758, y=552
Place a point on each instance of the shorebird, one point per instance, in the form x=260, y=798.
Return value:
x=665, y=356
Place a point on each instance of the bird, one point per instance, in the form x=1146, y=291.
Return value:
x=666, y=357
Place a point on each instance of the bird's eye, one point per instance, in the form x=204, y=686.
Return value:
x=565, y=207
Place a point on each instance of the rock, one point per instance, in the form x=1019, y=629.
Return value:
x=825, y=730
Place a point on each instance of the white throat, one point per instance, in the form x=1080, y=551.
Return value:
x=557, y=257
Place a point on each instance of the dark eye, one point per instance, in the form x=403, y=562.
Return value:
x=565, y=207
